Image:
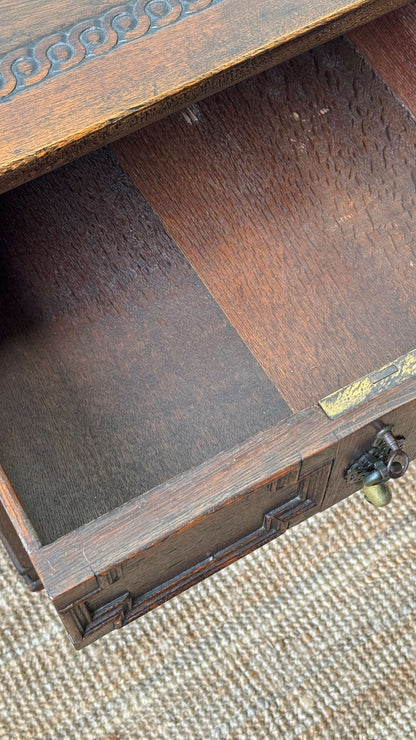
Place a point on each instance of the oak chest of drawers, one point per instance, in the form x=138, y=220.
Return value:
x=179, y=309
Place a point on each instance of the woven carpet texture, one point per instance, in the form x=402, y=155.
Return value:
x=312, y=636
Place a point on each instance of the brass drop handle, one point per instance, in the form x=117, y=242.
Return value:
x=376, y=488
x=385, y=460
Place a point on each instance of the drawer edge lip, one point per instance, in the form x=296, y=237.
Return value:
x=17, y=534
x=133, y=519
x=74, y=563
x=16, y=514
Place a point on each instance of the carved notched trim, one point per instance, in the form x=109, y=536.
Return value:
x=61, y=51
x=86, y=623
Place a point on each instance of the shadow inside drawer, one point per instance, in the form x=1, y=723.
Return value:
x=118, y=370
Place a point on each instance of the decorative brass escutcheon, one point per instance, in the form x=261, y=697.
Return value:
x=384, y=460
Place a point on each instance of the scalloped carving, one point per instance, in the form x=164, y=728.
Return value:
x=63, y=50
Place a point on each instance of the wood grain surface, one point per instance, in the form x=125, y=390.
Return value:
x=389, y=44
x=117, y=368
x=72, y=79
x=293, y=195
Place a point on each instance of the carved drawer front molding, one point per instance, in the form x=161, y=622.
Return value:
x=105, y=609
x=85, y=622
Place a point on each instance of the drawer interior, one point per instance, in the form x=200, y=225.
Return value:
x=118, y=370
x=293, y=197
x=201, y=280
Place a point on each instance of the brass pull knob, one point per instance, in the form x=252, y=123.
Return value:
x=378, y=495
x=376, y=489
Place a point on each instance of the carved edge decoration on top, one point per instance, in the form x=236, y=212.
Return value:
x=63, y=50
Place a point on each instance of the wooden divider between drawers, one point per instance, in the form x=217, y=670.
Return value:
x=145, y=60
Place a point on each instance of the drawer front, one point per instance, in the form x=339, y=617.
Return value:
x=110, y=572
x=182, y=560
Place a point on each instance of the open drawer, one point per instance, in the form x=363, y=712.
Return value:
x=174, y=311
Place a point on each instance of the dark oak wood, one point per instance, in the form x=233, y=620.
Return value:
x=389, y=44
x=292, y=195
x=117, y=368
x=295, y=208
x=73, y=79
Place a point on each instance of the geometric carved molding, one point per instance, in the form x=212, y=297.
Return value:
x=311, y=490
x=87, y=39
x=86, y=623
x=82, y=622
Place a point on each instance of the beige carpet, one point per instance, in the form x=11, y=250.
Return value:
x=313, y=636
